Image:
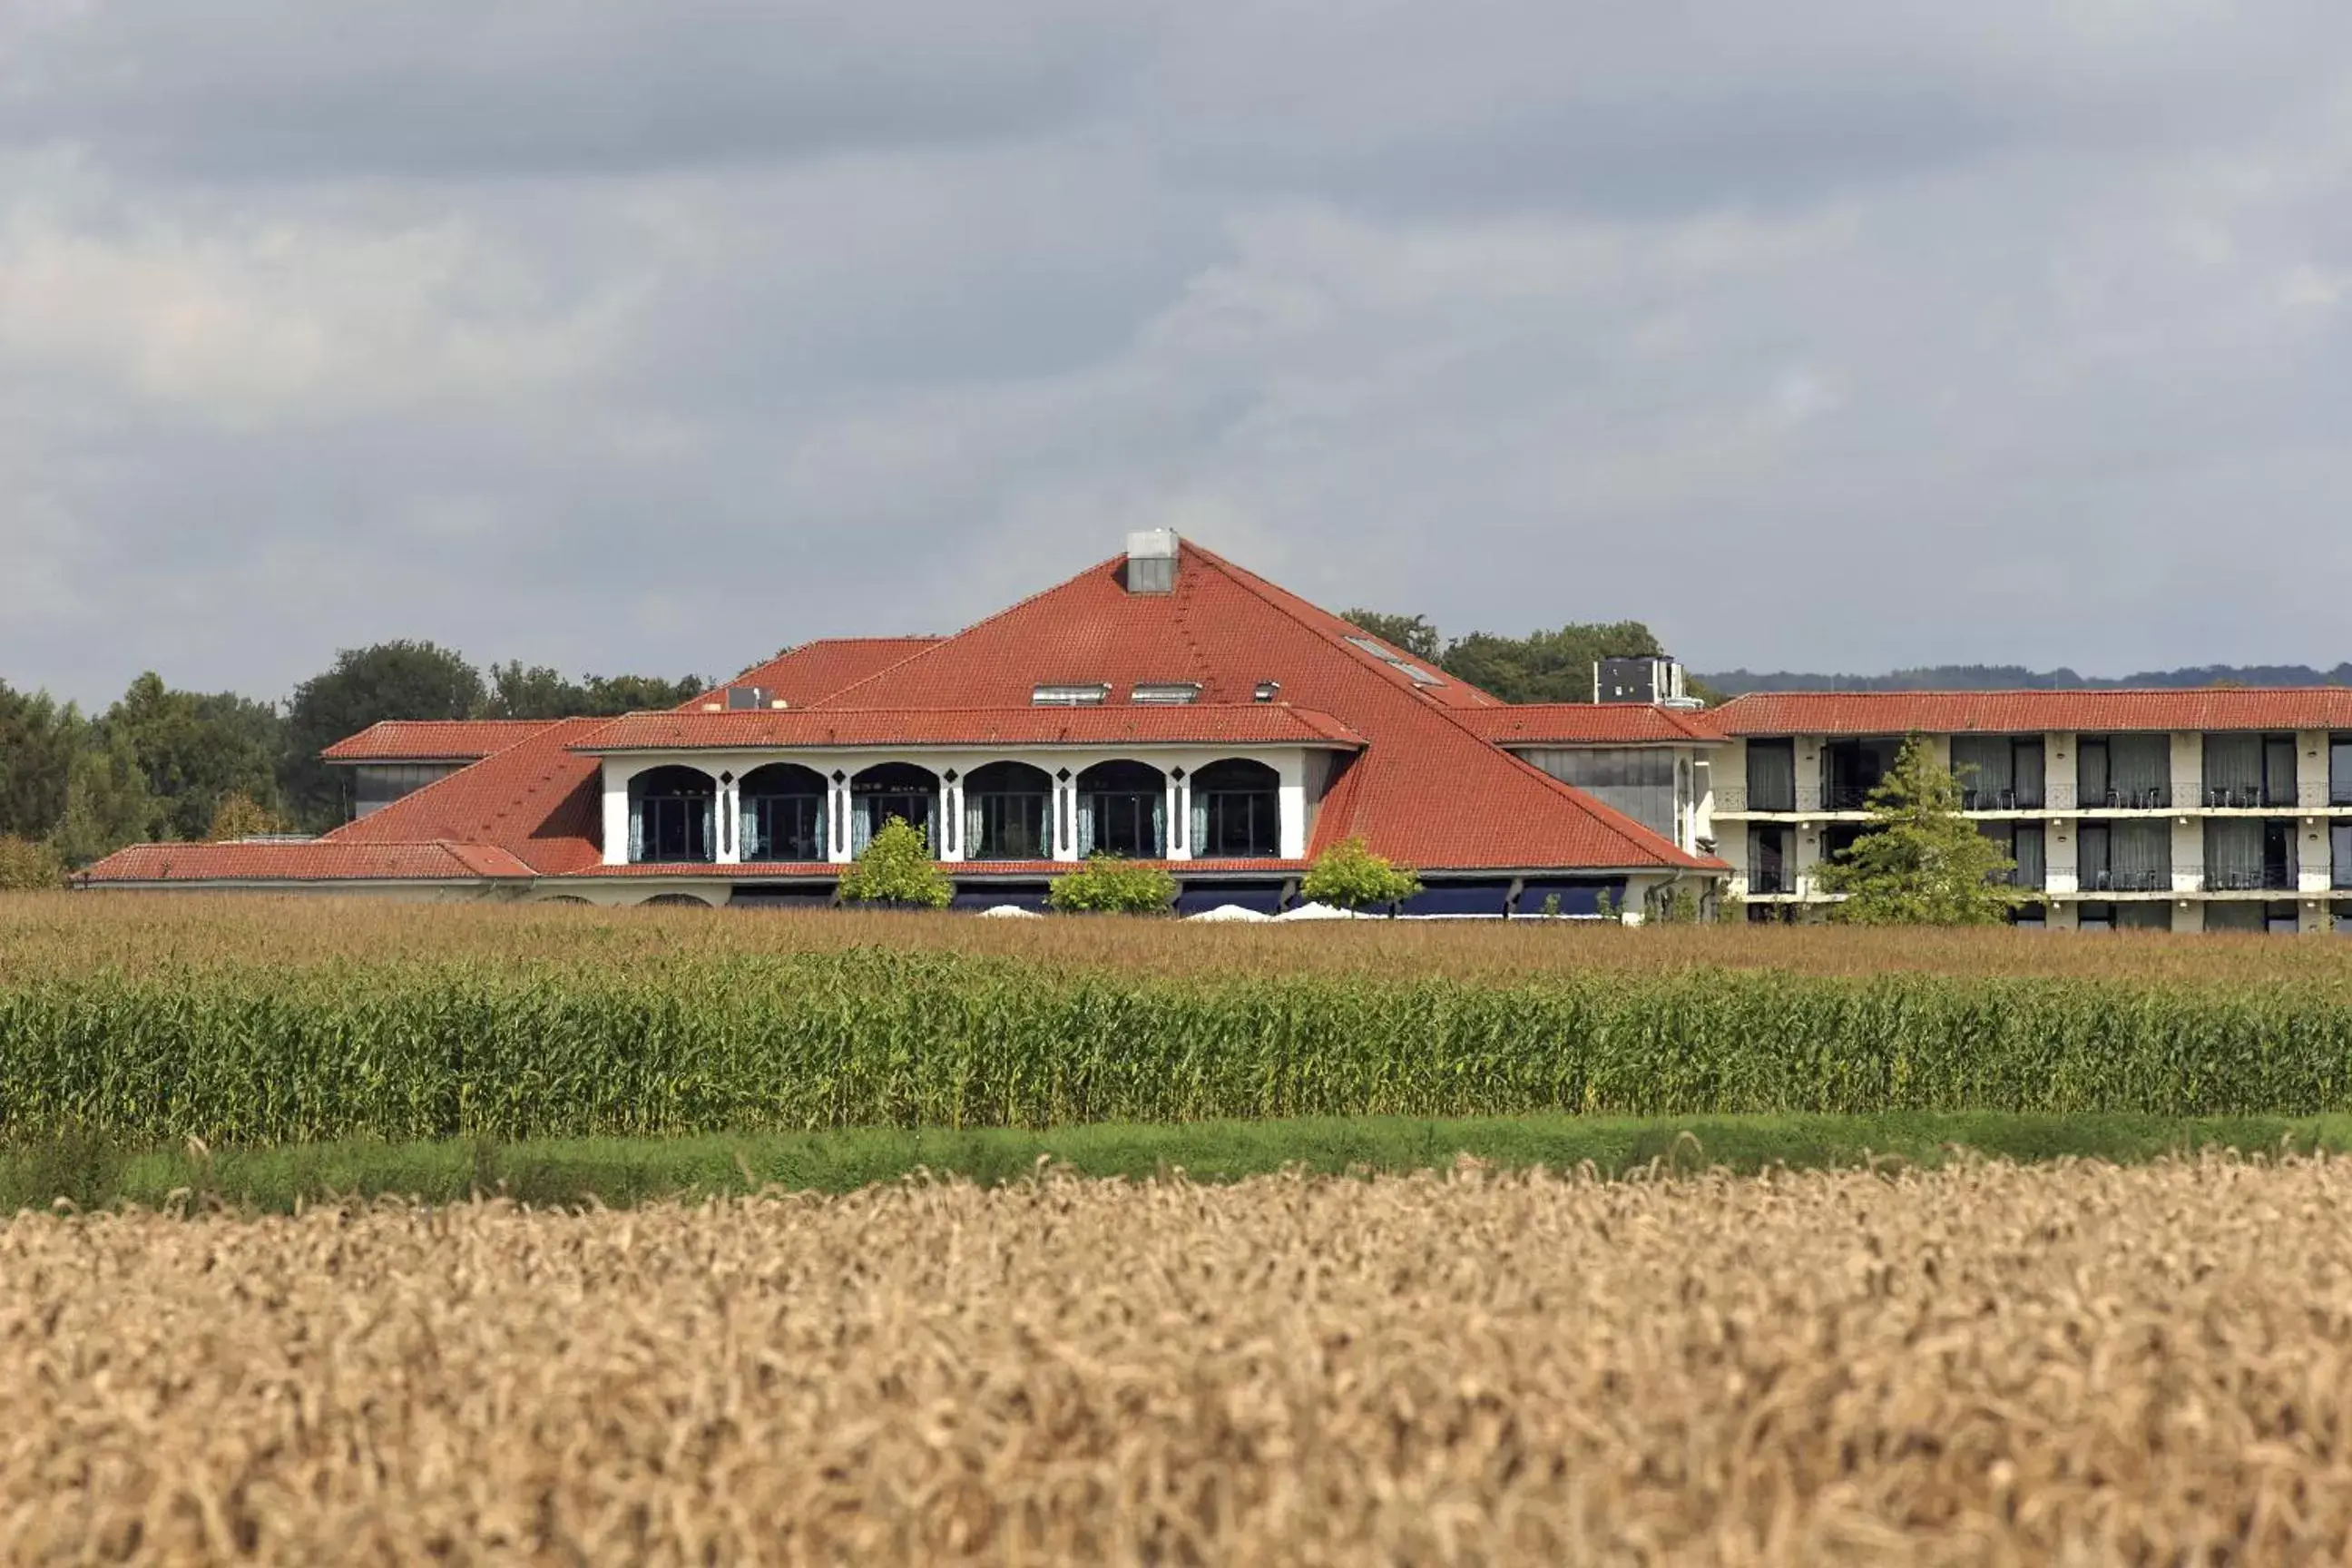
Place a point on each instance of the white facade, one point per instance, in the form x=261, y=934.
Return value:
x=2184, y=894
x=1302, y=775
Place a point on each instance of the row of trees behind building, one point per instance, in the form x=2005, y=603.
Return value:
x=163, y=763
x=166, y=763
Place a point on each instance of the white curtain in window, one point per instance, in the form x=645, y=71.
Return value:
x=861, y=827
x=1086, y=825
x=1158, y=826
x=2234, y=762
x=2027, y=850
x=2233, y=854
x=2141, y=854
x=2138, y=764
x=1981, y=762
x=974, y=827
x=2026, y=769
x=636, y=831
x=1198, y=838
x=1771, y=778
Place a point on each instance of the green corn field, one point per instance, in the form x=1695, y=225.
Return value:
x=708, y=1041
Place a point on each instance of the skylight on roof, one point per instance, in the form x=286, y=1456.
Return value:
x=1164, y=693
x=1412, y=672
x=1051, y=695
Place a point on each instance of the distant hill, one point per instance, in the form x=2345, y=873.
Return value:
x=2016, y=678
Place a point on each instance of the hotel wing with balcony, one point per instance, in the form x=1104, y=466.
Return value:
x=2205, y=810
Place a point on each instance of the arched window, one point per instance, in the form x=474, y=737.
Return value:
x=1004, y=813
x=671, y=815
x=782, y=813
x=1123, y=810
x=1236, y=811
x=893, y=789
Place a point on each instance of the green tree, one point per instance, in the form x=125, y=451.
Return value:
x=1921, y=862
x=896, y=868
x=27, y=865
x=198, y=748
x=1414, y=634
x=540, y=691
x=1544, y=666
x=388, y=680
x=1111, y=884
x=1348, y=876
x=38, y=739
x=641, y=693
x=108, y=802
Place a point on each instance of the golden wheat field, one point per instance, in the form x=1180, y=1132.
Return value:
x=1991, y=1365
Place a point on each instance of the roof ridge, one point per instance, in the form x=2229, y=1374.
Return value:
x=951, y=638
x=1606, y=816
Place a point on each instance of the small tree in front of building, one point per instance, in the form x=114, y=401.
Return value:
x=1348, y=876
x=1112, y=885
x=897, y=869
x=28, y=866
x=1920, y=862
x=239, y=815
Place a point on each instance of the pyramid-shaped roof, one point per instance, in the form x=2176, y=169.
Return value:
x=1428, y=788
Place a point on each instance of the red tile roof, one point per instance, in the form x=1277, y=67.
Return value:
x=1223, y=724
x=1429, y=790
x=433, y=740
x=2026, y=712
x=319, y=862
x=1427, y=787
x=817, y=669
x=539, y=800
x=1591, y=724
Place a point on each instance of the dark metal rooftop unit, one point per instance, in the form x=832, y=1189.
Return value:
x=1648, y=678
x=744, y=698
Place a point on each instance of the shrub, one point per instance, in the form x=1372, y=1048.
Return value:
x=1348, y=876
x=239, y=815
x=1109, y=884
x=29, y=867
x=897, y=868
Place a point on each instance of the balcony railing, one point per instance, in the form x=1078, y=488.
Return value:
x=1762, y=881
x=2017, y=876
x=1845, y=798
x=1739, y=797
x=2149, y=797
x=2255, y=797
x=2100, y=880
x=2269, y=878
x=1975, y=799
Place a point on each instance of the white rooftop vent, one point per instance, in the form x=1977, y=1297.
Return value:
x=1165, y=693
x=1151, y=561
x=1069, y=696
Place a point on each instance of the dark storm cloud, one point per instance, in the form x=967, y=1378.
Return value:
x=278, y=89
x=1828, y=333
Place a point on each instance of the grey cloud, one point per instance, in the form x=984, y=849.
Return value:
x=437, y=89
x=1831, y=334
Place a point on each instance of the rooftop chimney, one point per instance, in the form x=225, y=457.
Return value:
x=1151, y=561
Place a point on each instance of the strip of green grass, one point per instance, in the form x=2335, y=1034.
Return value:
x=618, y=1172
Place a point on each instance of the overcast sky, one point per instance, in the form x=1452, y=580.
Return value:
x=1827, y=333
